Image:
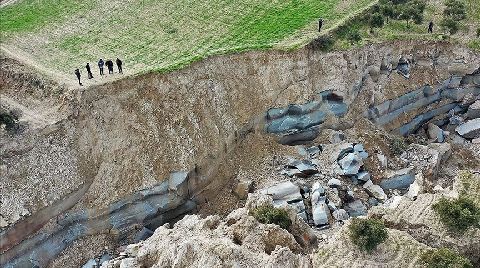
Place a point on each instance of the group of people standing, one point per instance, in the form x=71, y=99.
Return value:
x=101, y=64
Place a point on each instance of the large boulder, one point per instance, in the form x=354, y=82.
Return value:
x=287, y=194
x=400, y=179
x=375, y=190
x=320, y=211
x=435, y=133
x=356, y=208
x=469, y=129
x=474, y=110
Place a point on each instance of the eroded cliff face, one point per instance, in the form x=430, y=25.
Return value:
x=102, y=144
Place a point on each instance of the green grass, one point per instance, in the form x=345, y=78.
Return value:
x=399, y=30
x=161, y=35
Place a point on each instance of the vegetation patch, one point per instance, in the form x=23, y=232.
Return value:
x=9, y=120
x=398, y=145
x=271, y=215
x=367, y=234
x=458, y=215
x=444, y=258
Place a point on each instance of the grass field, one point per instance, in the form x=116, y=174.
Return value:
x=161, y=35
x=399, y=30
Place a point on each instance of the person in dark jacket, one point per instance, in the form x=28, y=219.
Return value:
x=100, y=66
x=109, y=64
x=119, y=65
x=77, y=73
x=320, y=24
x=430, y=27
x=89, y=72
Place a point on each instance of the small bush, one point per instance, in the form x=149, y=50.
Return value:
x=323, y=43
x=375, y=21
x=354, y=36
x=269, y=215
x=398, y=146
x=444, y=258
x=10, y=120
x=459, y=214
x=478, y=32
x=450, y=25
x=367, y=234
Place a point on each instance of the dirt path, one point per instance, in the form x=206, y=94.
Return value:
x=26, y=59
x=36, y=118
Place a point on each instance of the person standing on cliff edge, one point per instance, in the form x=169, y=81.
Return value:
x=100, y=66
x=320, y=24
x=119, y=65
x=89, y=71
x=77, y=73
x=430, y=27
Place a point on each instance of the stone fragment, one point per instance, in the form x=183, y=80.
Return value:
x=90, y=264
x=334, y=183
x=337, y=137
x=313, y=151
x=476, y=141
x=350, y=164
x=340, y=215
x=373, y=201
x=285, y=190
x=320, y=212
x=129, y=263
x=473, y=110
x=363, y=176
x=469, y=129
x=356, y=208
x=400, y=179
x=435, y=133
x=243, y=188
x=306, y=167
x=375, y=190
x=383, y=161
x=457, y=139
x=416, y=187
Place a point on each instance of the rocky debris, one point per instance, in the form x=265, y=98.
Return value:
x=243, y=188
x=287, y=193
x=299, y=168
x=435, y=133
x=375, y=190
x=400, y=179
x=356, y=208
x=298, y=118
x=382, y=159
x=334, y=183
x=320, y=211
x=403, y=67
x=239, y=240
x=350, y=161
x=416, y=187
x=340, y=215
x=469, y=129
x=473, y=110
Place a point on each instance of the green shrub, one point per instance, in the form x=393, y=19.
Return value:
x=398, y=146
x=375, y=21
x=354, y=36
x=269, y=214
x=455, y=9
x=459, y=214
x=9, y=120
x=478, y=32
x=323, y=43
x=444, y=258
x=367, y=234
x=450, y=25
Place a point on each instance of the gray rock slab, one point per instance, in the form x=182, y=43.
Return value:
x=356, y=208
x=400, y=179
x=470, y=129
